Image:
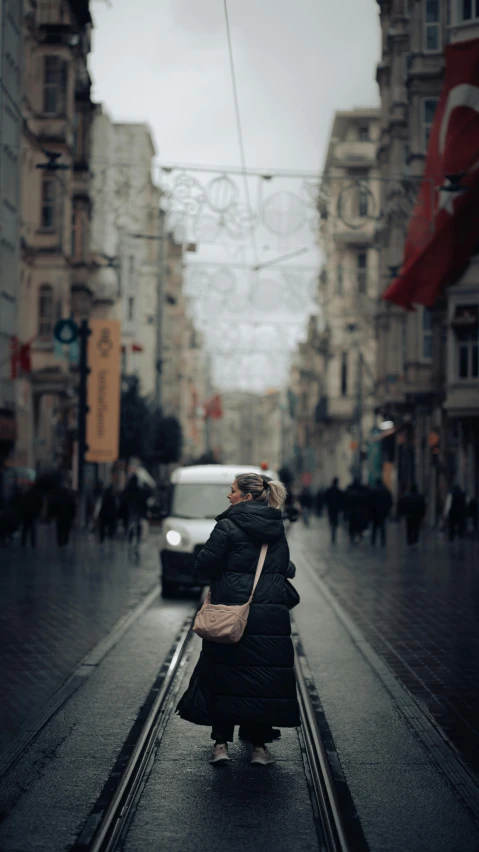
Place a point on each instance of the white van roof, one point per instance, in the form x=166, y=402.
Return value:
x=220, y=473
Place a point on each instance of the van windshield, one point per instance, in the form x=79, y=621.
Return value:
x=199, y=500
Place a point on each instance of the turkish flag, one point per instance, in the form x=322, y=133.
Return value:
x=443, y=233
x=213, y=409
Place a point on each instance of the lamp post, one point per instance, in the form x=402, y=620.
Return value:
x=160, y=297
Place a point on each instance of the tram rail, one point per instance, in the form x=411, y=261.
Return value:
x=110, y=816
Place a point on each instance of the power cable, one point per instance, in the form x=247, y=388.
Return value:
x=239, y=128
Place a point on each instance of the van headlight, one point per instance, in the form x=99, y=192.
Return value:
x=173, y=538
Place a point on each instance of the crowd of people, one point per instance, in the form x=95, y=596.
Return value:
x=105, y=509
x=368, y=507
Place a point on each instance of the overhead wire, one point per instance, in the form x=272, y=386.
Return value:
x=239, y=128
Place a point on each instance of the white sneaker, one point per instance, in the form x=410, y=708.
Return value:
x=262, y=756
x=219, y=754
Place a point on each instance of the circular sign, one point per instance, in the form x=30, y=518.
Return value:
x=66, y=331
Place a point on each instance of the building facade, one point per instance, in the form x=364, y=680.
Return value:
x=11, y=71
x=349, y=286
x=427, y=373
x=125, y=242
x=56, y=209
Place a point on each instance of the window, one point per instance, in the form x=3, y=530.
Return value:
x=465, y=324
x=426, y=335
x=340, y=279
x=363, y=133
x=469, y=10
x=45, y=311
x=54, y=85
x=362, y=271
x=468, y=354
x=432, y=25
x=363, y=194
x=131, y=308
x=404, y=347
x=344, y=374
x=74, y=247
x=429, y=108
x=48, y=203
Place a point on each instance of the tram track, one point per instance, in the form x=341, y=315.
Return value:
x=111, y=814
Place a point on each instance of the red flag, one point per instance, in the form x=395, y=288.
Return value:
x=212, y=408
x=136, y=347
x=25, y=358
x=443, y=233
x=14, y=357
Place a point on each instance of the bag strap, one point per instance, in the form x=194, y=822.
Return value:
x=262, y=557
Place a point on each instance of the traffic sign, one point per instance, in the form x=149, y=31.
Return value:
x=65, y=331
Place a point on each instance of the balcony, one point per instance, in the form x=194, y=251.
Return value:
x=53, y=13
x=341, y=408
x=355, y=153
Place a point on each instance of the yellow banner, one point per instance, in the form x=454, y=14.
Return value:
x=103, y=418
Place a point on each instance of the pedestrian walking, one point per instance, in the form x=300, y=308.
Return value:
x=108, y=514
x=412, y=506
x=250, y=683
x=334, y=500
x=306, y=502
x=63, y=510
x=381, y=505
x=456, y=512
x=472, y=513
x=30, y=509
x=135, y=501
x=357, y=503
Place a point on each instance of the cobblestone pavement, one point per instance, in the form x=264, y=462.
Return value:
x=54, y=607
x=419, y=610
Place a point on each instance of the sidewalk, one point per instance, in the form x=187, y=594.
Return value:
x=418, y=610
x=54, y=607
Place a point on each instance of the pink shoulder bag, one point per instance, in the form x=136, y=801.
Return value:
x=226, y=624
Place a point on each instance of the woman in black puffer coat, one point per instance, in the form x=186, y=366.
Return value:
x=251, y=683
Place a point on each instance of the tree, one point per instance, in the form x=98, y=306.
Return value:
x=135, y=420
x=165, y=442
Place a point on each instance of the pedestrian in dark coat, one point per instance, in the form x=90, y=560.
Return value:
x=334, y=499
x=357, y=503
x=413, y=507
x=457, y=515
x=31, y=507
x=63, y=510
x=381, y=505
x=107, y=517
x=251, y=683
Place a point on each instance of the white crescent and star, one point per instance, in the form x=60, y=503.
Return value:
x=464, y=95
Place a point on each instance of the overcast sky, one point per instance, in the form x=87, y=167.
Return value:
x=165, y=62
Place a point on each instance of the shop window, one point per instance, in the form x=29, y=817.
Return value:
x=45, y=311
x=432, y=25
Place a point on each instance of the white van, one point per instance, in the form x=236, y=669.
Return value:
x=198, y=495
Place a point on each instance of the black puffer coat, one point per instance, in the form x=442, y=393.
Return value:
x=252, y=681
